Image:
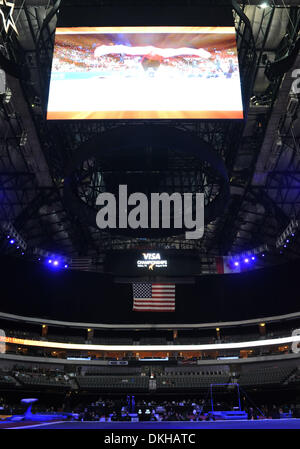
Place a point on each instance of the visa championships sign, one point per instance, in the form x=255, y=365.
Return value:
x=151, y=261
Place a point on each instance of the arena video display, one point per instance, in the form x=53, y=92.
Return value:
x=145, y=73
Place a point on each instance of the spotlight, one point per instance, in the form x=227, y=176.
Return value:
x=56, y=260
x=12, y=241
x=264, y=5
x=246, y=260
x=287, y=241
x=236, y=264
x=254, y=252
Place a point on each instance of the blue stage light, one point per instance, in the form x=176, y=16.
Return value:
x=12, y=241
x=246, y=260
x=66, y=266
x=287, y=241
x=56, y=263
x=253, y=258
x=236, y=264
x=50, y=261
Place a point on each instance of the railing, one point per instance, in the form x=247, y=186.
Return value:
x=149, y=341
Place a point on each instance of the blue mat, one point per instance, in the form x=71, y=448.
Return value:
x=172, y=425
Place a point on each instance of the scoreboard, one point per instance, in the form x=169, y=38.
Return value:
x=153, y=263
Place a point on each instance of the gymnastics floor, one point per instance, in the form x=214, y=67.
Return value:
x=270, y=424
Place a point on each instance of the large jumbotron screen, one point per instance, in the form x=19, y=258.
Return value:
x=145, y=73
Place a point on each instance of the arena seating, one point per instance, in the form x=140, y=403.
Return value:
x=153, y=341
x=195, y=380
x=267, y=375
x=295, y=376
x=107, y=370
x=7, y=381
x=37, y=380
x=112, y=341
x=193, y=341
x=137, y=379
x=208, y=371
x=124, y=383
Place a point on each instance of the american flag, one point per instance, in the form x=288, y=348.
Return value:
x=149, y=297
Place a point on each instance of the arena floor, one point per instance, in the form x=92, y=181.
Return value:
x=171, y=425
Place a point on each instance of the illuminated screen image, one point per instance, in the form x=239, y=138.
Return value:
x=145, y=73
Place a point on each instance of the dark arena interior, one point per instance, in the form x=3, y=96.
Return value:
x=149, y=216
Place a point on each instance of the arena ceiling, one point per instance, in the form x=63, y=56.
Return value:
x=261, y=154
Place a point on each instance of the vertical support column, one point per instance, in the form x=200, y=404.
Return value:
x=262, y=329
x=44, y=330
x=239, y=396
x=90, y=334
x=211, y=398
